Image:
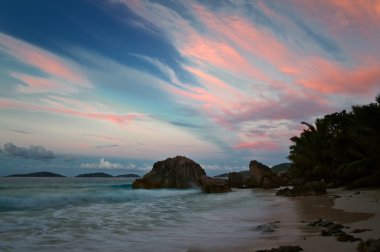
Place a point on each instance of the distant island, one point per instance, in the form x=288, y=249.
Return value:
x=38, y=174
x=283, y=167
x=95, y=175
x=45, y=174
x=225, y=175
x=130, y=175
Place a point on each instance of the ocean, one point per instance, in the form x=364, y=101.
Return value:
x=105, y=214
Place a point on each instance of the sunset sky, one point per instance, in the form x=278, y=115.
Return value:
x=222, y=82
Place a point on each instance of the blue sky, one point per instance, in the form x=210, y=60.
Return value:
x=222, y=82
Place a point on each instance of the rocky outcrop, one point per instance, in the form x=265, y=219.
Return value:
x=267, y=228
x=309, y=189
x=214, y=185
x=235, y=180
x=178, y=172
x=369, y=246
x=333, y=229
x=262, y=176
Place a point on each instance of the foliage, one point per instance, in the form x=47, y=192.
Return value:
x=341, y=145
x=281, y=167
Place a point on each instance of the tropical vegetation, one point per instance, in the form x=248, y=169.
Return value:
x=342, y=147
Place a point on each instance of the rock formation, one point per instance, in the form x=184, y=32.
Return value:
x=235, y=180
x=177, y=172
x=262, y=176
x=309, y=189
x=369, y=245
x=214, y=185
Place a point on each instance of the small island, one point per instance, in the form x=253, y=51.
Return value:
x=130, y=175
x=95, y=175
x=38, y=174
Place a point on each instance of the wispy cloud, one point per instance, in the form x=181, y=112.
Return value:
x=103, y=137
x=21, y=132
x=57, y=75
x=123, y=119
x=265, y=76
x=107, y=146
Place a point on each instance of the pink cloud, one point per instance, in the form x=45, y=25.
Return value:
x=120, y=119
x=43, y=60
x=40, y=84
x=218, y=54
x=331, y=78
x=245, y=35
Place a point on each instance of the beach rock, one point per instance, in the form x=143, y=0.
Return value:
x=346, y=238
x=235, y=180
x=283, y=249
x=333, y=229
x=178, y=172
x=262, y=176
x=214, y=185
x=309, y=189
x=369, y=246
x=356, y=231
x=267, y=228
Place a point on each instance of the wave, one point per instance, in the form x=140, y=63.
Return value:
x=122, y=186
x=116, y=194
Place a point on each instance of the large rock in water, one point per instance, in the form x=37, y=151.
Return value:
x=235, y=180
x=178, y=172
x=262, y=176
x=214, y=185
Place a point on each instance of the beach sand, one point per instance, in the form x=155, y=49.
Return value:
x=355, y=209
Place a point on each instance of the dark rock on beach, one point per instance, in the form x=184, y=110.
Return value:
x=369, y=246
x=235, y=180
x=37, y=174
x=178, y=172
x=344, y=237
x=283, y=249
x=356, y=231
x=262, y=176
x=309, y=189
x=267, y=228
x=214, y=185
x=333, y=229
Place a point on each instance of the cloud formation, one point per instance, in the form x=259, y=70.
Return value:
x=62, y=77
x=33, y=152
x=220, y=71
x=103, y=164
x=285, y=68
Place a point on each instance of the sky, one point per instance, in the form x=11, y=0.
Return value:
x=125, y=83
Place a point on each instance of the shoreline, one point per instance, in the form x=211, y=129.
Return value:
x=364, y=201
x=355, y=209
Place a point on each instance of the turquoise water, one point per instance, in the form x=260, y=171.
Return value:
x=96, y=214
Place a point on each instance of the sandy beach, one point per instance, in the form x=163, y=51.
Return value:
x=355, y=209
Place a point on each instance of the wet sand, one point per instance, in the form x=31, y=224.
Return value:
x=357, y=209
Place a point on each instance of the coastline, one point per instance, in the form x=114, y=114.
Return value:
x=355, y=209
